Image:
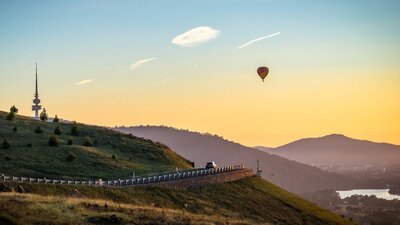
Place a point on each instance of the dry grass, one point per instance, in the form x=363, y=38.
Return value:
x=37, y=209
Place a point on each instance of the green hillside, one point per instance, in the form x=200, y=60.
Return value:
x=112, y=155
x=248, y=201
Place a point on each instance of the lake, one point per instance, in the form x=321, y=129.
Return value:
x=379, y=193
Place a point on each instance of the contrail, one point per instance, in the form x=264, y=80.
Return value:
x=138, y=63
x=83, y=82
x=258, y=39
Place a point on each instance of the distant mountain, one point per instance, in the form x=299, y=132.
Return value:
x=337, y=152
x=200, y=148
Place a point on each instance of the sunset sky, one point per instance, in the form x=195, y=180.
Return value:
x=334, y=65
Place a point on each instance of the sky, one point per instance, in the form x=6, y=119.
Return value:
x=334, y=65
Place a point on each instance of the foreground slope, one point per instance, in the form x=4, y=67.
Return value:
x=113, y=155
x=248, y=201
x=200, y=148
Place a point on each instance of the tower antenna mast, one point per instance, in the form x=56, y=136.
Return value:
x=36, y=101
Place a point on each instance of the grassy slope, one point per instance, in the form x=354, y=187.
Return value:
x=132, y=153
x=248, y=201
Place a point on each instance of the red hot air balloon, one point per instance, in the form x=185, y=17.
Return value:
x=263, y=72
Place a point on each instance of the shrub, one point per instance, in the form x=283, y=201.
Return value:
x=29, y=145
x=38, y=130
x=57, y=131
x=87, y=142
x=113, y=157
x=7, y=158
x=56, y=120
x=43, y=115
x=74, y=130
x=15, y=129
x=70, y=141
x=95, y=142
x=6, y=145
x=70, y=157
x=13, y=111
x=53, y=141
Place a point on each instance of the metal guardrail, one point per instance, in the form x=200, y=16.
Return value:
x=127, y=182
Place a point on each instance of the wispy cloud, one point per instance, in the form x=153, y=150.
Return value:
x=194, y=67
x=139, y=63
x=257, y=39
x=82, y=82
x=195, y=36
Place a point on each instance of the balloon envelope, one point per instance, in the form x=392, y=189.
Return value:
x=263, y=72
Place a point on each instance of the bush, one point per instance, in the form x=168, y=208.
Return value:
x=88, y=142
x=56, y=120
x=13, y=111
x=29, y=145
x=113, y=157
x=70, y=141
x=57, y=131
x=7, y=158
x=15, y=129
x=43, y=115
x=74, y=130
x=38, y=130
x=53, y=141
x=70, y=157
x=6, y=145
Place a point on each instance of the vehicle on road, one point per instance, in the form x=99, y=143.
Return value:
x=211, y=165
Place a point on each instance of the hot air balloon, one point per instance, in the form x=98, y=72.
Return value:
x=262, y=72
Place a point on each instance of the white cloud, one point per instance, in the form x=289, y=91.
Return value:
x=83, y=82
x=194, y=67
x=139, y=63
x=195, y=36
x=257, y=39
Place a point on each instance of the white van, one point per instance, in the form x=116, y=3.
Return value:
x=211, y=165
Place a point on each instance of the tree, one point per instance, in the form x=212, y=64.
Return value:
x=13, y=111
x=6, y=145
x=38, y=130
x=74, y=130
x=88, y=142
x=57, y=131
x=56, y=120
x=53, y=141
x=43, y=115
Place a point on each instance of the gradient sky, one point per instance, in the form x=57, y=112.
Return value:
x=334, y=68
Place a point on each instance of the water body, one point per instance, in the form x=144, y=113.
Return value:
x=379, y=193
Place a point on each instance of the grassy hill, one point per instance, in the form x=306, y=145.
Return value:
x=113, y=155
x=248, y=201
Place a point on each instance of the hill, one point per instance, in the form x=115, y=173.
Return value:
x=112, y=155
x=200, y=148
x=340, y=153
x=248, y=201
